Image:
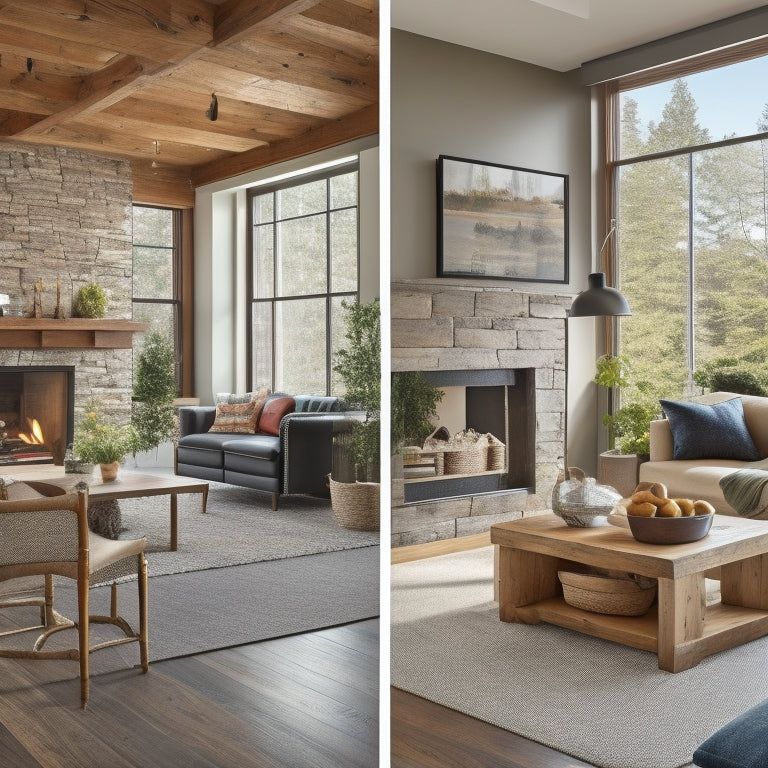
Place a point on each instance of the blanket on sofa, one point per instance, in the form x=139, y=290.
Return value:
x=745, y=490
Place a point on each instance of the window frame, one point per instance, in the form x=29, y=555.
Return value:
x=177, y=250
x=325, y=174
x=611, y=91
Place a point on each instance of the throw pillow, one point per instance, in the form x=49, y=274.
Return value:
x=273, y=412
x=239, y=418
x=716, y=431
x=243, y=397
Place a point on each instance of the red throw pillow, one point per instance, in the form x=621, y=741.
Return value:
x=273, y=412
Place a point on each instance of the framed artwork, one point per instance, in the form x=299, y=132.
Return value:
x=501, y=222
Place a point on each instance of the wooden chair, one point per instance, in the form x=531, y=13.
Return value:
x=49, y=536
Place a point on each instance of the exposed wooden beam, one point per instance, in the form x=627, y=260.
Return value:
x=107, y=86
x=158, y=30
x=356, y=126
x=236, y=19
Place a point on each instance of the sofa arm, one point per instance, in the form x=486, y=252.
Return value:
x=306, y=441
x=194, y=419
x=662, y=445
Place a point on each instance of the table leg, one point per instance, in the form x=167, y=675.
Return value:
x=745, y=583
x=524, y=578
x=174, y=523
x=682, y=604
x=205, y=499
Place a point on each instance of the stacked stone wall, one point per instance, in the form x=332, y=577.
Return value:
x=66, y=215
x=448, y=325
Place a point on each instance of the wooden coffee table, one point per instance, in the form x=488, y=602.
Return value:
x=129, y=485
x=681, y=629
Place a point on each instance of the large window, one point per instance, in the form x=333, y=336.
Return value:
x=156, y=254
x=690, y=197
x=304, y=263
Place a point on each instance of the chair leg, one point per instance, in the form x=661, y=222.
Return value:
x=143, y=613
x=83, y=626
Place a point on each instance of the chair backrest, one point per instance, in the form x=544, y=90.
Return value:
x=42, y=531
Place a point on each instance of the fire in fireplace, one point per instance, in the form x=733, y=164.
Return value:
x=36, y=413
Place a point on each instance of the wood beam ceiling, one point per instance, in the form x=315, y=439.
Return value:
x=135, y=80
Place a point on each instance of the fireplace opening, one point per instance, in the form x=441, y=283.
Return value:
x=496, y=403
x=37, y=411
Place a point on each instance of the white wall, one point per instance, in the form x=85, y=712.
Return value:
x=220, y=244
x=451, y=100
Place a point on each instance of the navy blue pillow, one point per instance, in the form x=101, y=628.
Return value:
x=710, y=431
x=739, y=744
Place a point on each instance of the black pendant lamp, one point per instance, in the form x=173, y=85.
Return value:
x=599, y=300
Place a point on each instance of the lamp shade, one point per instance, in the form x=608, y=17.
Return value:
x=599, y=300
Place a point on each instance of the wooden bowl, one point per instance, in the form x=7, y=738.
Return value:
x=670, y=530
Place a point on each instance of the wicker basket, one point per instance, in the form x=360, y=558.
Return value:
x=355, y=505
x=617, y=595
x=469, y=461
x=496, y=453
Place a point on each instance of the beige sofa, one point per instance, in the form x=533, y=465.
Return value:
x=700, y=478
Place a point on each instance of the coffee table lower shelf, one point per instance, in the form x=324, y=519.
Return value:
x=725, y=626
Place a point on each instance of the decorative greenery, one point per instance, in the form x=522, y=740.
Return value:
x=90, y=301
x=154, y=418
x=359, y=366
x=628, y=427
x=733, y=375
x=413, y=403
x=99, y=442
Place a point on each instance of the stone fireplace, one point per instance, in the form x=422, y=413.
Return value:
x=66, y=215
x=516, y=341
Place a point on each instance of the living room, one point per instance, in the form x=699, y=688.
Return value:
x=183, y=108
x=489, y=93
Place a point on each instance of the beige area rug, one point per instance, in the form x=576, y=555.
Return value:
x=601, y=702
x=239, y=527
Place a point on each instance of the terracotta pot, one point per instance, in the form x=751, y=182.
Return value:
x=109, y=471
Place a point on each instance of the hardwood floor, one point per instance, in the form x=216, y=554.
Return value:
x=304, y=701
x=427, y=735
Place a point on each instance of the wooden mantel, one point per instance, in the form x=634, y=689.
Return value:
x=67, y=333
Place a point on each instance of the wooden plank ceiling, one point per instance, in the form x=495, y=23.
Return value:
x=145, y=80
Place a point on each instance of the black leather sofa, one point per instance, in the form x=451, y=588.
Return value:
x=297, y=460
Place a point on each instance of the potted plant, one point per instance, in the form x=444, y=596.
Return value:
x=90, y=301
x=153, y=415
x=627, y=427
x=413, y=406
x=356, y=504
x=102, y=443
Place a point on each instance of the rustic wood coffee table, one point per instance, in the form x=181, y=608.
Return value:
x=681, y=629
x=129, y=485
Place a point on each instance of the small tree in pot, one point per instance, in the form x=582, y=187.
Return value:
x=356, y=505
x=154, y=417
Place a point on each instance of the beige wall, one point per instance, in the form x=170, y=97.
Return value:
x=451, y=100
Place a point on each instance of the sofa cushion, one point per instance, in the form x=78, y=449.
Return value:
x=716, y=431
x=231, y=398
x=239, y=418
x=272, y=413
x=258, y=446
x=318, y=404
x=742, y=743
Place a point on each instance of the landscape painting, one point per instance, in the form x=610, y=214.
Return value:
x=501, y=222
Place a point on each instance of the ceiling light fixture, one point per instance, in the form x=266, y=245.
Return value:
x=212, y=113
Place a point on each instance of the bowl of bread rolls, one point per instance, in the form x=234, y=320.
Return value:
x=654, y=518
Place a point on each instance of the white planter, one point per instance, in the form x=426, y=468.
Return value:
x=619, y=471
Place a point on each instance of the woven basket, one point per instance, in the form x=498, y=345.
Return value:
x=465, y=462
x=496, y=454
x=617, y=595
x=355, y=505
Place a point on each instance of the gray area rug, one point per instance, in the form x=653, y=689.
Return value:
x=595, y=700
x=221, y=607
x=239, y=527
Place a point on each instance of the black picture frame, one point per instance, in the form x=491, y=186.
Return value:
x=501, y=222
